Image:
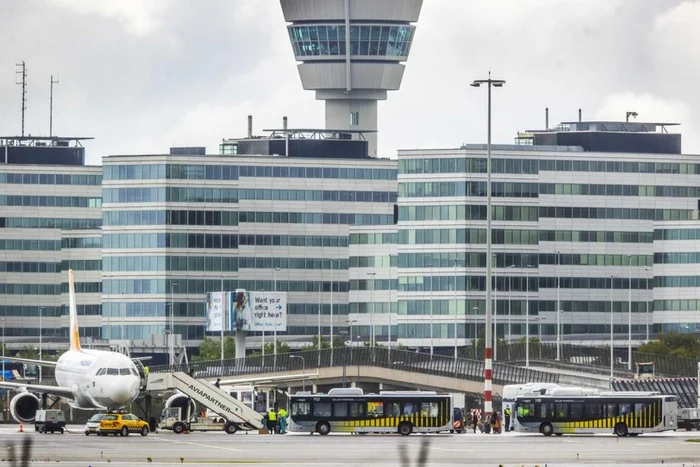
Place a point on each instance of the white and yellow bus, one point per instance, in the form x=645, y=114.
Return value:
x=621, y=413
x=352, y=411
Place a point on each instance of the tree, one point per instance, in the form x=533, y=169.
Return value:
x=282, y=347
x=314, y=343
x=674, y=344
x=210, y=349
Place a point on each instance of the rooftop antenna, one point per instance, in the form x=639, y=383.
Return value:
x=51, y=106
x=22, y=70
x=630, y=114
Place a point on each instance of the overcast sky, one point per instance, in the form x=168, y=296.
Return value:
x=143, y=75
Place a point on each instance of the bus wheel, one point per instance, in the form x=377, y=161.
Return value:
x=405, y=428
x=621, y=429
x=323, y=428
x=546, y=429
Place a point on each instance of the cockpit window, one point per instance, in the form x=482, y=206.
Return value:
x=101, y=371
x=134, y=372
x=124, y=371
x=112, y=371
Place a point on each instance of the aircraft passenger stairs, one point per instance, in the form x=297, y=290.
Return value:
x=207, y=395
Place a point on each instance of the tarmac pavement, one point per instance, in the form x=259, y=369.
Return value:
x=214, y=448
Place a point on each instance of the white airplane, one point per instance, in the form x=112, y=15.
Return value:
x=88, y=379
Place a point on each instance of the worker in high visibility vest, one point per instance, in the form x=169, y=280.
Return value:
x=282, y=415
x=272, y=421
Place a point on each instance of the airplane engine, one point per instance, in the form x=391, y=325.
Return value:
x=23, y=407
x=180, y=400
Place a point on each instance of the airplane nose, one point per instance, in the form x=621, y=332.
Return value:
x=125, y=392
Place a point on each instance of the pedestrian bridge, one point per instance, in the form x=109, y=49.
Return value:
x=366, y=364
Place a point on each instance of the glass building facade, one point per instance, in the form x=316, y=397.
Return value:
x=50, y=218
x=177, y=227
x=584, y=233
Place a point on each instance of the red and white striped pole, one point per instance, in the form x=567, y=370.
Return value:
x=488, y=346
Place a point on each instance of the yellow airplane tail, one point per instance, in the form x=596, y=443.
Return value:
x=73, y=310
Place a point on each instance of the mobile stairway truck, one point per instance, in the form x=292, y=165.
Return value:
x=235, y=414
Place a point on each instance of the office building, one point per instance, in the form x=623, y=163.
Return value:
x=50, y=218
x=177, y=226
x=574, y=230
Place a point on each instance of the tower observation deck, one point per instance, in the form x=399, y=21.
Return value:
x=351, y=54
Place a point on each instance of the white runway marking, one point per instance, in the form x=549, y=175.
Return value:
x=197, y=444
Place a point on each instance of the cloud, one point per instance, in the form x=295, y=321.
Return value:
x=141, y=76
x=136, y=16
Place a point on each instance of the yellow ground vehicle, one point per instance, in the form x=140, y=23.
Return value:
x=122, y=424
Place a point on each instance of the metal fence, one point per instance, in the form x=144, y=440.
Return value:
x=590, y=357
x=460, y=368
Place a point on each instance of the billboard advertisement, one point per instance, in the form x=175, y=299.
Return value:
x=246, y=311
x=217, y=312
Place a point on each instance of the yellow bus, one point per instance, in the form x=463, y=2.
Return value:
x=351, y=411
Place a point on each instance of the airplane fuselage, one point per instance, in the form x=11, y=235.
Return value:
x=98, y=379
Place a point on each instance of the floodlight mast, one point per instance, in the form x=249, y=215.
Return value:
x=488, y=348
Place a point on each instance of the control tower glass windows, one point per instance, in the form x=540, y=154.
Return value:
x=365, y=40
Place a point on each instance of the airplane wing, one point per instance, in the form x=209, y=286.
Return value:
x=57, y=390
x=31, y=361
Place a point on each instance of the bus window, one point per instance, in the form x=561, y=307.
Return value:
x=610, y=410
x=545, y=410
x=526, y=410
x=393, y=409
x=301, y=408
x=375, y=409
x=340, y=409
x=638, y=407
x=593, y=410
x=576, y=410
x=562, y=409
x=625, y=408
x=322, y=409
x=357, y=409
x=429, y=409
x=408, y=408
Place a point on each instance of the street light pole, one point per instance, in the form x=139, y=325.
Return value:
x=372, y=336
x=646, y=312
x=223, y=321
x=495, y=309
x=488, y=362
x=539, y=333
x=431, y=310
x=41, y=312
x=331, y=321
x=456, y=309
x=274, y=286
x=612, y=335
x=510, y=304
x=3, y=350
x=527, y=317
x=629, y=313
x=558, y=311
x=172, y=322
x=350, y=321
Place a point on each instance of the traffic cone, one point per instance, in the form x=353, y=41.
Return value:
x=21, y=427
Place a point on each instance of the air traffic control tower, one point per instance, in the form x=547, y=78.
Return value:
x=351, y=54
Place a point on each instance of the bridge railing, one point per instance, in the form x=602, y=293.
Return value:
x=461, y=368
x=592, y=357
